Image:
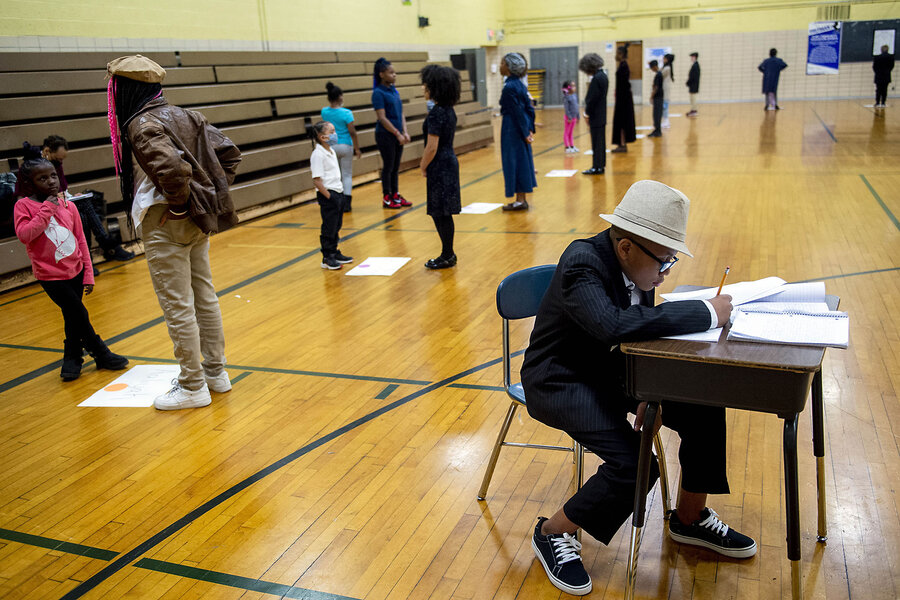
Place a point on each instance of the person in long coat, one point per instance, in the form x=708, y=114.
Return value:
x=623, y=129
x=771, y=69
x=595, y=110
x=516, y=132
x=883, y=64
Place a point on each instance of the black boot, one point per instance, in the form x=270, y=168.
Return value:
x=104, y=358
x=72, y=360
x=347, y=200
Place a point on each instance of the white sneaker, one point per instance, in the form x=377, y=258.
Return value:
x=575, y=149
x=220, y=383
x=178, y=398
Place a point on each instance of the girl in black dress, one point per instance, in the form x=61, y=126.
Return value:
x=439, y=164
x=623, y=129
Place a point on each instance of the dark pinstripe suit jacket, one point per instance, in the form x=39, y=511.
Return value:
x=574, y=372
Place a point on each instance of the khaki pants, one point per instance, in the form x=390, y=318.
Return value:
x=178, y=257
x=694, y=102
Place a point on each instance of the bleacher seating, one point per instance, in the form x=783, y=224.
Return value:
x=259, y=99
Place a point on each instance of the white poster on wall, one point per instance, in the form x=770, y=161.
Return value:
x=883, y=37
x=655, y=54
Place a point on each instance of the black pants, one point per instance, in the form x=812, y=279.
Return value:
x=332, y=211
x=657, y=115
x=598, y=145
x=91, y=211
x=446, y=229
x=881, y=93
x=391, y=150
x=606, y=499
x=66, y=294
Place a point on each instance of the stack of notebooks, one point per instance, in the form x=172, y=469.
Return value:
x=773, y=311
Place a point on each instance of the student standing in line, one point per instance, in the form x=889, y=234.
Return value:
x=179, y=195
x=390, y=131
x=50, y=227
x=516, y=133
x=570, y=108
x=771, y=69
x=347, y=145
x=326, y=174
x=591, y=64
x=693, y=83
x=623, y=129
x=656, y=98
x=439, y=164
x=883, y=64
x=668, y=80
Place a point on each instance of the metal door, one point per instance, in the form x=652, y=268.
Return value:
x=561, y=64
x=474, y=61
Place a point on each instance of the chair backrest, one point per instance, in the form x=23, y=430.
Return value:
x=519, y=295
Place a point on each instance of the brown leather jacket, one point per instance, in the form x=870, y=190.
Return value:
x=188, y=160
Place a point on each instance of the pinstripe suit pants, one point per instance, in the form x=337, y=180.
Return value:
x=606, y=499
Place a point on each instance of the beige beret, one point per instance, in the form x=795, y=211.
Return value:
x=137, y=67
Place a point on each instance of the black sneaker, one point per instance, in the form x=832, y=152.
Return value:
x=561, y=558
x=328, y=262
x=710, y=532
x=343, y=259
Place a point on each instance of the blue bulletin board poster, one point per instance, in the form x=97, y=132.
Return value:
x=824, y=54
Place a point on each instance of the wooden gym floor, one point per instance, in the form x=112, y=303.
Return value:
x=346, y=460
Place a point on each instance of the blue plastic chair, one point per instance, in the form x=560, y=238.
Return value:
x=519, y=296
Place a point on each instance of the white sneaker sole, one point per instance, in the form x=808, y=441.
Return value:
x=579, y=591
x=192, y=404
x=729, y=552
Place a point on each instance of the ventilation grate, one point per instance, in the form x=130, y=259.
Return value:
x=840, y=12
x=674, y=22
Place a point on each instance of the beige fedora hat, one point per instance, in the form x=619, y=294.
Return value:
x=137, y=67
x=655, y=212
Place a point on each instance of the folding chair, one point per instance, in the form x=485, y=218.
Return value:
x=519, y=296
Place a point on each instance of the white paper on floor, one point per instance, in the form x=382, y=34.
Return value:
x=479, y=208
x=588, y=152
x=640, y=136
x=379, y=265
x=561, y=173
x=644, y=128
x=675, y=114
x=137, y=387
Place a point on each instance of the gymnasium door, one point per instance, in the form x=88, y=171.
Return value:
x=474, y=61
x=637, y=66
x=560, y=64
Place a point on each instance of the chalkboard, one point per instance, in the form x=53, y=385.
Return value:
x=857, y=38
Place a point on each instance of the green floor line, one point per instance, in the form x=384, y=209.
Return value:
x=58, y=545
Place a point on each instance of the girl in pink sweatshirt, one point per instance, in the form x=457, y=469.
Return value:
x=50, y=228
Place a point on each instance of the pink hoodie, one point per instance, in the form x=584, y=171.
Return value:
x=54, y=239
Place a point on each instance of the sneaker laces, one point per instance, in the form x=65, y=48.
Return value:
x=566, y=548
x=714, y=524
x=176, y=387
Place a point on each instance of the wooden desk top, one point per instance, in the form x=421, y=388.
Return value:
x=747, y=354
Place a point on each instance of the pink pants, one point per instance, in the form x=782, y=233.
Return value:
x=568, y=138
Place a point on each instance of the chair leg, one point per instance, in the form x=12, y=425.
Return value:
x=631, y=567
x=663, y=475
x=495, y=453
x=579, y=465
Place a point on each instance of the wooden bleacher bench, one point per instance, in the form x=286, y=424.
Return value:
x=259, y=99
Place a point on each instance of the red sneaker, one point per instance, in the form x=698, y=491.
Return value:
x=389, y=202
x=401, y=200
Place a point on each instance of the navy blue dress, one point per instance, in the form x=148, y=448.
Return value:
x=517, y=125
x=442, y=183
x=771, y=69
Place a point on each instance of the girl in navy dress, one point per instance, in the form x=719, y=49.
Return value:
x=439, y=164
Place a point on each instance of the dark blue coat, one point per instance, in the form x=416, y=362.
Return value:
x=517, y=125
x=771, y=69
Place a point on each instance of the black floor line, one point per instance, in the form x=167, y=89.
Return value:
x=132, y=555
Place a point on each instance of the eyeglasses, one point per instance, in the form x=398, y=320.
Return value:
x=664, y=265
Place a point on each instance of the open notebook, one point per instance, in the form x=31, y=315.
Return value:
x=791, y=326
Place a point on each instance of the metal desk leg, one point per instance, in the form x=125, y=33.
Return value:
x=818, y=415
x=792, y=503
x=640, y=496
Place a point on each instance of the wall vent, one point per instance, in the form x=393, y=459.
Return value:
x=674, y=22
x=840, y=12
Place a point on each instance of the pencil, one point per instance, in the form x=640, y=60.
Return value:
x=723, y=280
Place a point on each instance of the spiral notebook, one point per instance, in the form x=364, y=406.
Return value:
x=804, y=328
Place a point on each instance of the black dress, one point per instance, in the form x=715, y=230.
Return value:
x=443, y=170
x=623, y=113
